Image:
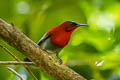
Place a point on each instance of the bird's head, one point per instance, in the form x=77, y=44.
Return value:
x=70, y=25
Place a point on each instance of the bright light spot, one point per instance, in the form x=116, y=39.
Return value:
x=105, y=22
x=44, y=7
x=117, y=49
x=23, y=7
x=23, y=73
x=99, y=63
x=102, y=20
x=109, y=38
x=24, y=76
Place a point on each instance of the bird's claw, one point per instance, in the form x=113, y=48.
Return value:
x=60, y=61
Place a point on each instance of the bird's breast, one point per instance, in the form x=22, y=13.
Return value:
x=60, y=38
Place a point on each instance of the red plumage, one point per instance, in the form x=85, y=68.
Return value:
x=61, y=34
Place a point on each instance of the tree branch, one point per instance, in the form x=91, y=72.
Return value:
x=17, y=59
x=17, y=74
x=15, y=63
x=41, y=58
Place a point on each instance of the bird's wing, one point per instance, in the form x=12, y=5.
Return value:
x=45, y=36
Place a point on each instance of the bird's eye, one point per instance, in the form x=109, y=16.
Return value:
x=73, y=23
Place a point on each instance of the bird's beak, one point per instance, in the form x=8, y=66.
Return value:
x=82, y=25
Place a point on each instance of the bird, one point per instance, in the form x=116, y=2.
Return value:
x=56, y=38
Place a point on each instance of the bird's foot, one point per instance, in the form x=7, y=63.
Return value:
x=60, y=61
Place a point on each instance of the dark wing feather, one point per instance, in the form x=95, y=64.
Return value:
x=45, y=36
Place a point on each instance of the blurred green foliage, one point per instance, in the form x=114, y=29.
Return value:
x=93, y=52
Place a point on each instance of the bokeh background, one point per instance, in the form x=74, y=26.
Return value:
x=93, y=52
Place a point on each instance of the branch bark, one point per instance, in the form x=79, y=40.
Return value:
x=15, y=63
x=41, y=58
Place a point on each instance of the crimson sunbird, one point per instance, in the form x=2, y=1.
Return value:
x=58, y=37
